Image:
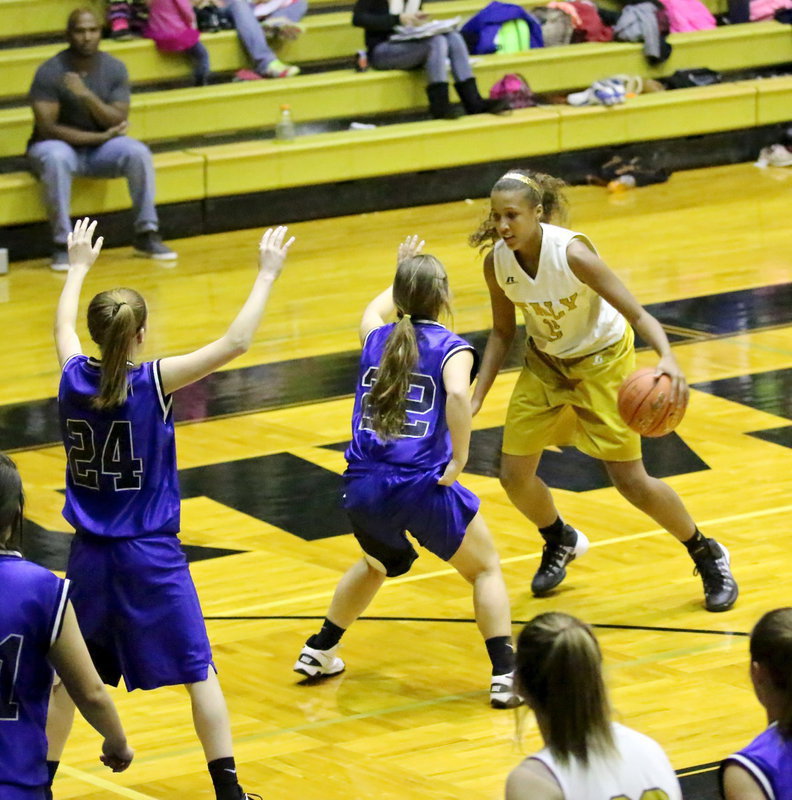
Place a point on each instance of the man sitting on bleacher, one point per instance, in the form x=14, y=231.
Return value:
x=80, y=100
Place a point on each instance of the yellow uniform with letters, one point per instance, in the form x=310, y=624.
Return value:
x=578, y=352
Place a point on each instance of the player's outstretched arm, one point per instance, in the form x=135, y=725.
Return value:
x=178, y=371
x=382, y=307
x=71, y=660
x=456, y=380
x=82, y=254
x=504, y=326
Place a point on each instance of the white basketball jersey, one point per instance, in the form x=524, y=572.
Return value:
x=564, y=316
x=639, y=770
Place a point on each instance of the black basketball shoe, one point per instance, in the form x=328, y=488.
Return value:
x=555, y=557
x=720, y=588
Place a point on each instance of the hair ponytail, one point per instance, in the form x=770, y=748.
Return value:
x=115, y=318
x=389, y=394
x=12, y=504
x=538, y=188
x=559, y=668
x=420, y=289
x=771, y=646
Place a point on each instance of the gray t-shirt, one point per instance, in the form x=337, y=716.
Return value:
x=107, y=79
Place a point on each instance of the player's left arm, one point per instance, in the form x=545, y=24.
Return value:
x=382, y=308
x=456, y=380
x=594, y=272
x=377, y=312
x=82, y=254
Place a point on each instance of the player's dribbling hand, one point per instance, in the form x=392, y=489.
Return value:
x=116, y=756
x=82, y=253
x=452, y=471
x=272, y=251
x=679, y=388
x=410, y=247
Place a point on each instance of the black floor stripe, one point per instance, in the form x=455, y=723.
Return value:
x=600, y=625
x=34, y=424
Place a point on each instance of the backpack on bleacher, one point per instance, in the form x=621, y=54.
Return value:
x=513, y=36
x=515, y=89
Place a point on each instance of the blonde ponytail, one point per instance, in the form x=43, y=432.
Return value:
x=115, y=318
x=559, y=668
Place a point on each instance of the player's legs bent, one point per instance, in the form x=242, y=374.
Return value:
x=477, y=562
x=659, y=501
x=526, y=490
x=354, y=592
x=530, y=495
x=652, y=496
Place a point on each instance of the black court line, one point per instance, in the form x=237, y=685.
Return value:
x=699, y=782
x=603, y=625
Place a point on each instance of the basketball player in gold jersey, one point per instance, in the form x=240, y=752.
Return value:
x=579, y=320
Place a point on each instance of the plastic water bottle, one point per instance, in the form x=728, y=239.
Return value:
x=622, y=184
x=284, y=130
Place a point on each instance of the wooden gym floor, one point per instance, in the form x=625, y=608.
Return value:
x=260, y=452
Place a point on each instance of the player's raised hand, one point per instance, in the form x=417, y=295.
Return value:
x=273, y=250
x=82, y=250
x=116, y=755
x=410, y=247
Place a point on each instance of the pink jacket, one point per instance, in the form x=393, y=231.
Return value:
x=171, y=24
x=688, y=15
x=765, y=9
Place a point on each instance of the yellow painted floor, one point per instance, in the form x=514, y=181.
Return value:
x=409, y=718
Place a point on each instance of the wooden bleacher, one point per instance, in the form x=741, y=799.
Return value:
x=188, y=173
x=256, y=166
x=247, y=107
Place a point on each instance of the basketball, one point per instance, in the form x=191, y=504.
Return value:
x=644, y=404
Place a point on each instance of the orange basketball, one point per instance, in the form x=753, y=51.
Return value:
x=644, y=404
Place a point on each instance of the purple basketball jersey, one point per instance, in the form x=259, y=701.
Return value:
x=424, y=442
x=768, y=759
x=121, y=477
x=32, y=602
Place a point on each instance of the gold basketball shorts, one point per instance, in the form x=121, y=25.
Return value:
x=572, y=401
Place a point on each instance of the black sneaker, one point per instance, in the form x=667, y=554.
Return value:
x=555, y=557
x=720, y=588
x=150, y=245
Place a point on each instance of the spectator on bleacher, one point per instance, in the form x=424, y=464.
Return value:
x=283, y=23
x=586, y=755
x=764, y=768
x=172, y=26
x=126, y=18
x=379, y=19
x=80, y=100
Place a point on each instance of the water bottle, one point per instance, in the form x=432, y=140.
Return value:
x=622, y=184
x=284, y=130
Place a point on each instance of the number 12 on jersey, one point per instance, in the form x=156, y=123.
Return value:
x=420, y=400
